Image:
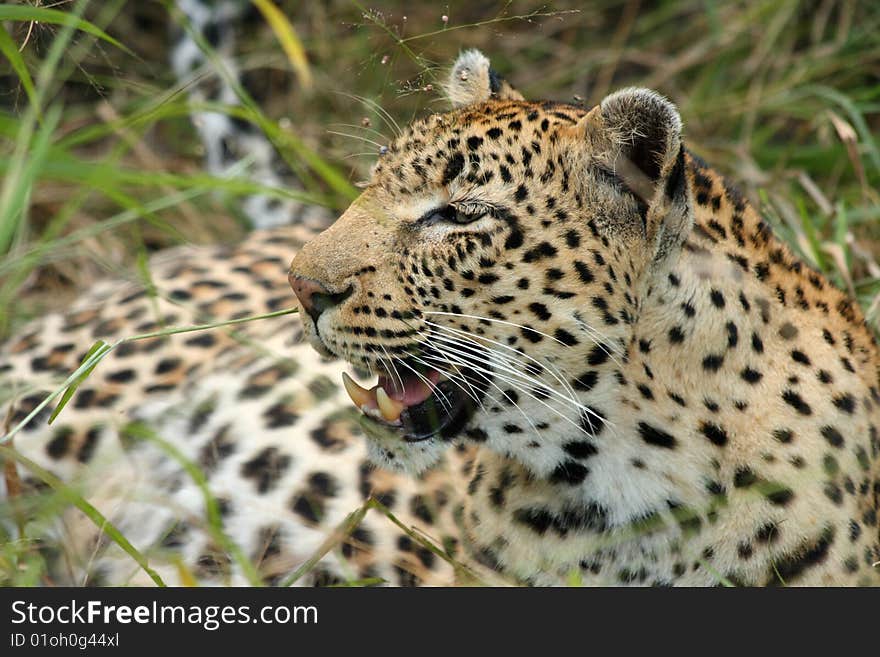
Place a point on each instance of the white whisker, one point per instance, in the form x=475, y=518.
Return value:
x=357, y=137
x=462, y=360
x=486, y=360
x=351, y=155
x=478, y=341
x=453, y=347
x=528, y=394
x=360, y=127
x=498, y=321
x=383, y=113
x=609, y=343
x=493, y=398
x=393, y=371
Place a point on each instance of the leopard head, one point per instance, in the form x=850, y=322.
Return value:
x=492, y=268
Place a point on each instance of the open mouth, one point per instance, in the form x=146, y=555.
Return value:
x=417, y=406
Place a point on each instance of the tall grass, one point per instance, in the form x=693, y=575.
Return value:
x=782, y=96
x=100, y=167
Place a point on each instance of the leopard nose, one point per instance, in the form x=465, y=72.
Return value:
x=314, y=297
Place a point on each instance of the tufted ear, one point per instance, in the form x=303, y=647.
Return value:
x=472, y=80
x=636, y=133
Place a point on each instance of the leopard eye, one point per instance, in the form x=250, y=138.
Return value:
x=458, y=214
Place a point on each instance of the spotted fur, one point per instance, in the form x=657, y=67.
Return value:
x=666, y=394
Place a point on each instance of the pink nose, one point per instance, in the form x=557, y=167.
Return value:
x=314, y=297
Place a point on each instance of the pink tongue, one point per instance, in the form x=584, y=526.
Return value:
x=415, y=390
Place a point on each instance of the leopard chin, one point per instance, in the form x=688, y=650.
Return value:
x=386, y=449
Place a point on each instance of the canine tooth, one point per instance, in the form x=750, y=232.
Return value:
x=390, y=408
x=360, y=396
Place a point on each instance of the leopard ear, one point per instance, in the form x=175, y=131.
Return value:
x=636, y=133
x=472, y=80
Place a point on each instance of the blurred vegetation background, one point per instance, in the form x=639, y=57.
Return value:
x=100, y=165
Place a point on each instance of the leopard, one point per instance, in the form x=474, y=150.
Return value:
x=596, y=365
x=262, y=419
x=655, y=389
x=225, y=456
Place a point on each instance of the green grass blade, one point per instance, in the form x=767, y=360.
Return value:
x=342, y=531
x=288, y=39
x=855, y=115
x=812, y=235
x=463, y=571
x=87, y=508
x=7, y=47
x=204, y=327
x=63, y=167
x=31, y=255
x=87, y=365
x=841, y=230
x=26, y=161
x=48, y=400
x=98, y=352
x=24, y=13
x=141, y=431
x=282, y=140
